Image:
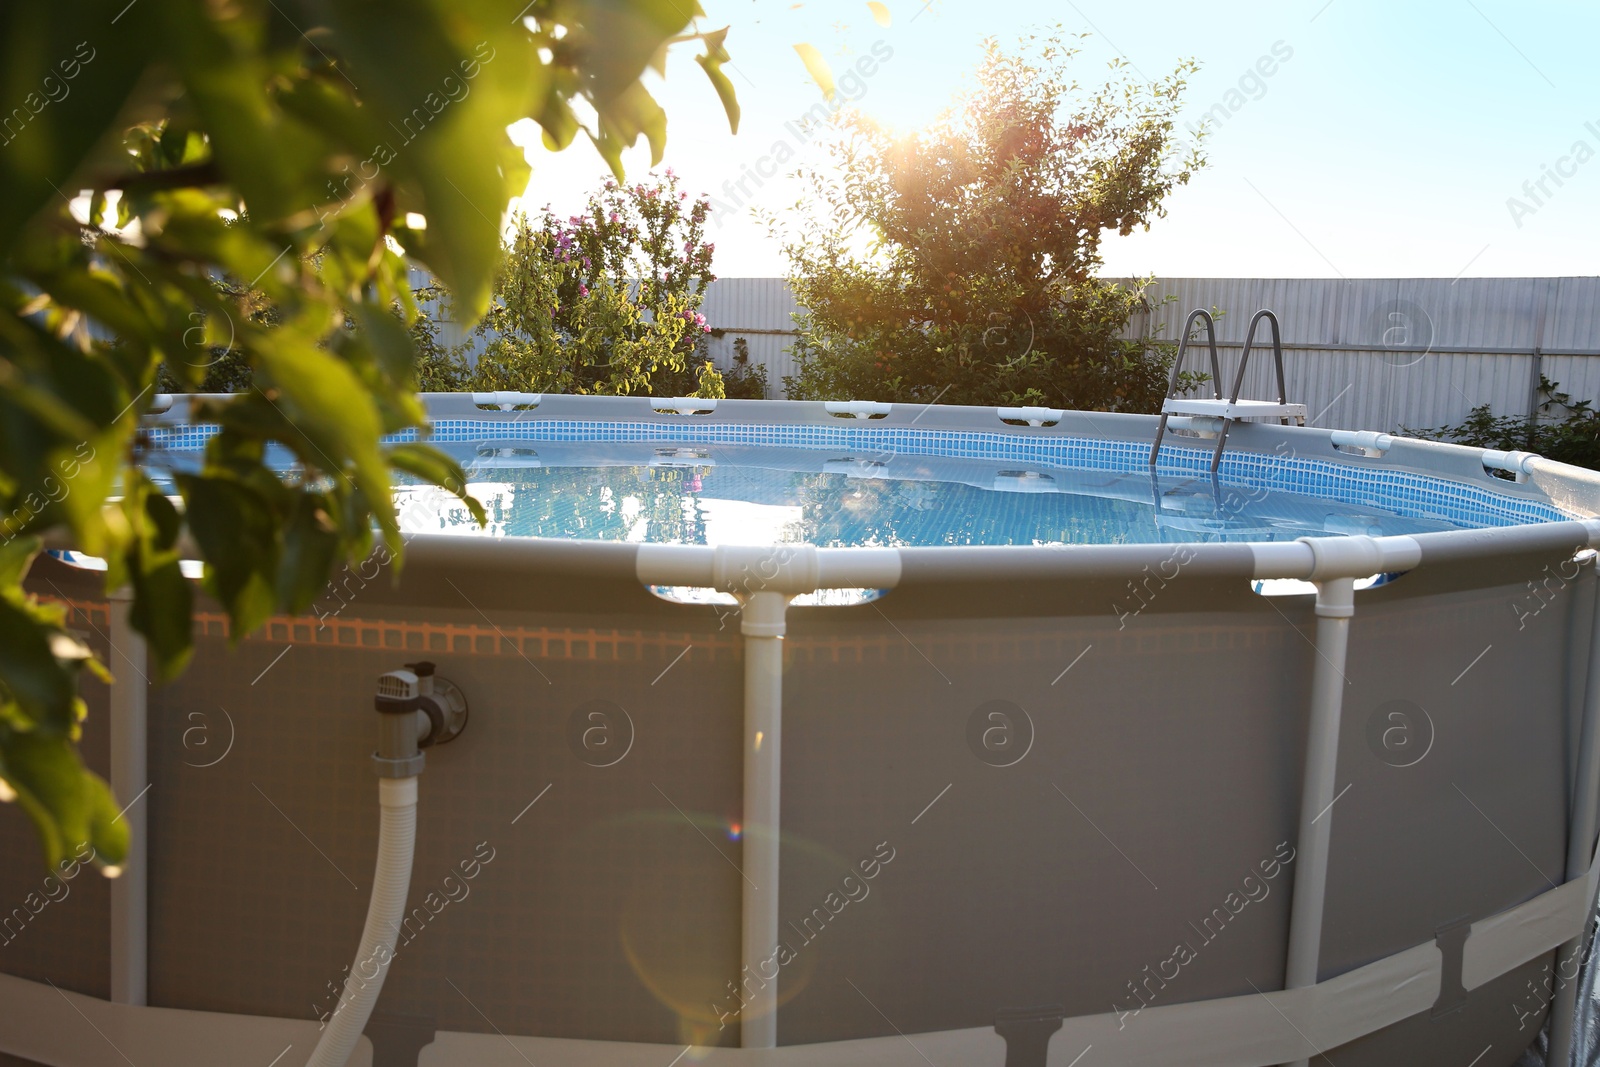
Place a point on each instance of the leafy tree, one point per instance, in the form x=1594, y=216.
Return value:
x=230, y=141
x=1561, y=429
x=441, y=368
x=959, y=262
x=743, y=379
x=606, y=301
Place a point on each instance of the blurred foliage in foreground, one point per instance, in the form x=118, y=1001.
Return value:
x=959, y=263
x=181, y=178
x=606, y=302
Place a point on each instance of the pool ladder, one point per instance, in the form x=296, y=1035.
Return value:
x=1232, y=409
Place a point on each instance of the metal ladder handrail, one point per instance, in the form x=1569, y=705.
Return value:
x=1177, y=369
x=1277, y=356
x=1238, y=382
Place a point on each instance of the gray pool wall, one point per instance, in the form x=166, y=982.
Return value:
x=1160, y=782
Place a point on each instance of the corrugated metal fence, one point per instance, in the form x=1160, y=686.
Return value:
x=759, y=310
x=1369, y=354
x=1380, y=354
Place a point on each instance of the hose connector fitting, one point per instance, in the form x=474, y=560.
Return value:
x=398, y=701
x=417, y=709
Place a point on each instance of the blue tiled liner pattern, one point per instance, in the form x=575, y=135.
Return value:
x=1405, y=493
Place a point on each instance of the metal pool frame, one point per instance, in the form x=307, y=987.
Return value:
x=1229, y=1032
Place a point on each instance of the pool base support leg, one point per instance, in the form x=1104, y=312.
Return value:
x=1335, y=606
x=763, y=626
x=1580, y=846
x=130, y=930
x=1027, y=1032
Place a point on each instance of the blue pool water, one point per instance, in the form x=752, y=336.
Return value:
x=854, y=484
x=707, y=493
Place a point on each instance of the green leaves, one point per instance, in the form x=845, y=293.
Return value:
x=253, y=171
x=69, y=806
x=321, y=397
x=604, y=302
x=310, y=550
x=716, y=54
x=270, y=155
x=235, y=529
x=632, y=112
x=959, y=263
x=64, y=77
x=161, y=602
x=817, y=67
x=39, y=716
x=433, y=466
x=599, y=51
x=40, y=688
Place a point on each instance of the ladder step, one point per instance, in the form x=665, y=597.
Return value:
x=1232, y=409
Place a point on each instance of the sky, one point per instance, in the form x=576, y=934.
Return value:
x=1389, y=143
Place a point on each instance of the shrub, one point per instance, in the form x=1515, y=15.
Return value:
x=1571, y=436
x=606, y=301
x=959, y=263
x=743, y=380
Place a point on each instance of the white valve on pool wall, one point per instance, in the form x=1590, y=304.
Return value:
x=440, y=708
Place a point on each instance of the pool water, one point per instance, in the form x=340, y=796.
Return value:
x=698, y=493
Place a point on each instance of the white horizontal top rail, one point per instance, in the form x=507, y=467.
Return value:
x=1367, y=442
x=798, y=569
x=683, y=405
x=1517, y=463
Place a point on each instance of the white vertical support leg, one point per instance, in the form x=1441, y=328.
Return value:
x=1580, y=845
x=1335, y=606
x=763, y=627
x=130, y=929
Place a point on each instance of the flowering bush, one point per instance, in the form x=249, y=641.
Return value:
x=604, y=302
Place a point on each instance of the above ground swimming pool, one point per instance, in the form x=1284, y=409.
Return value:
x=810, y=733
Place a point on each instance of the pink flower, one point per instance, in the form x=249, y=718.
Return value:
x=615, y=217
x=583, y=290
